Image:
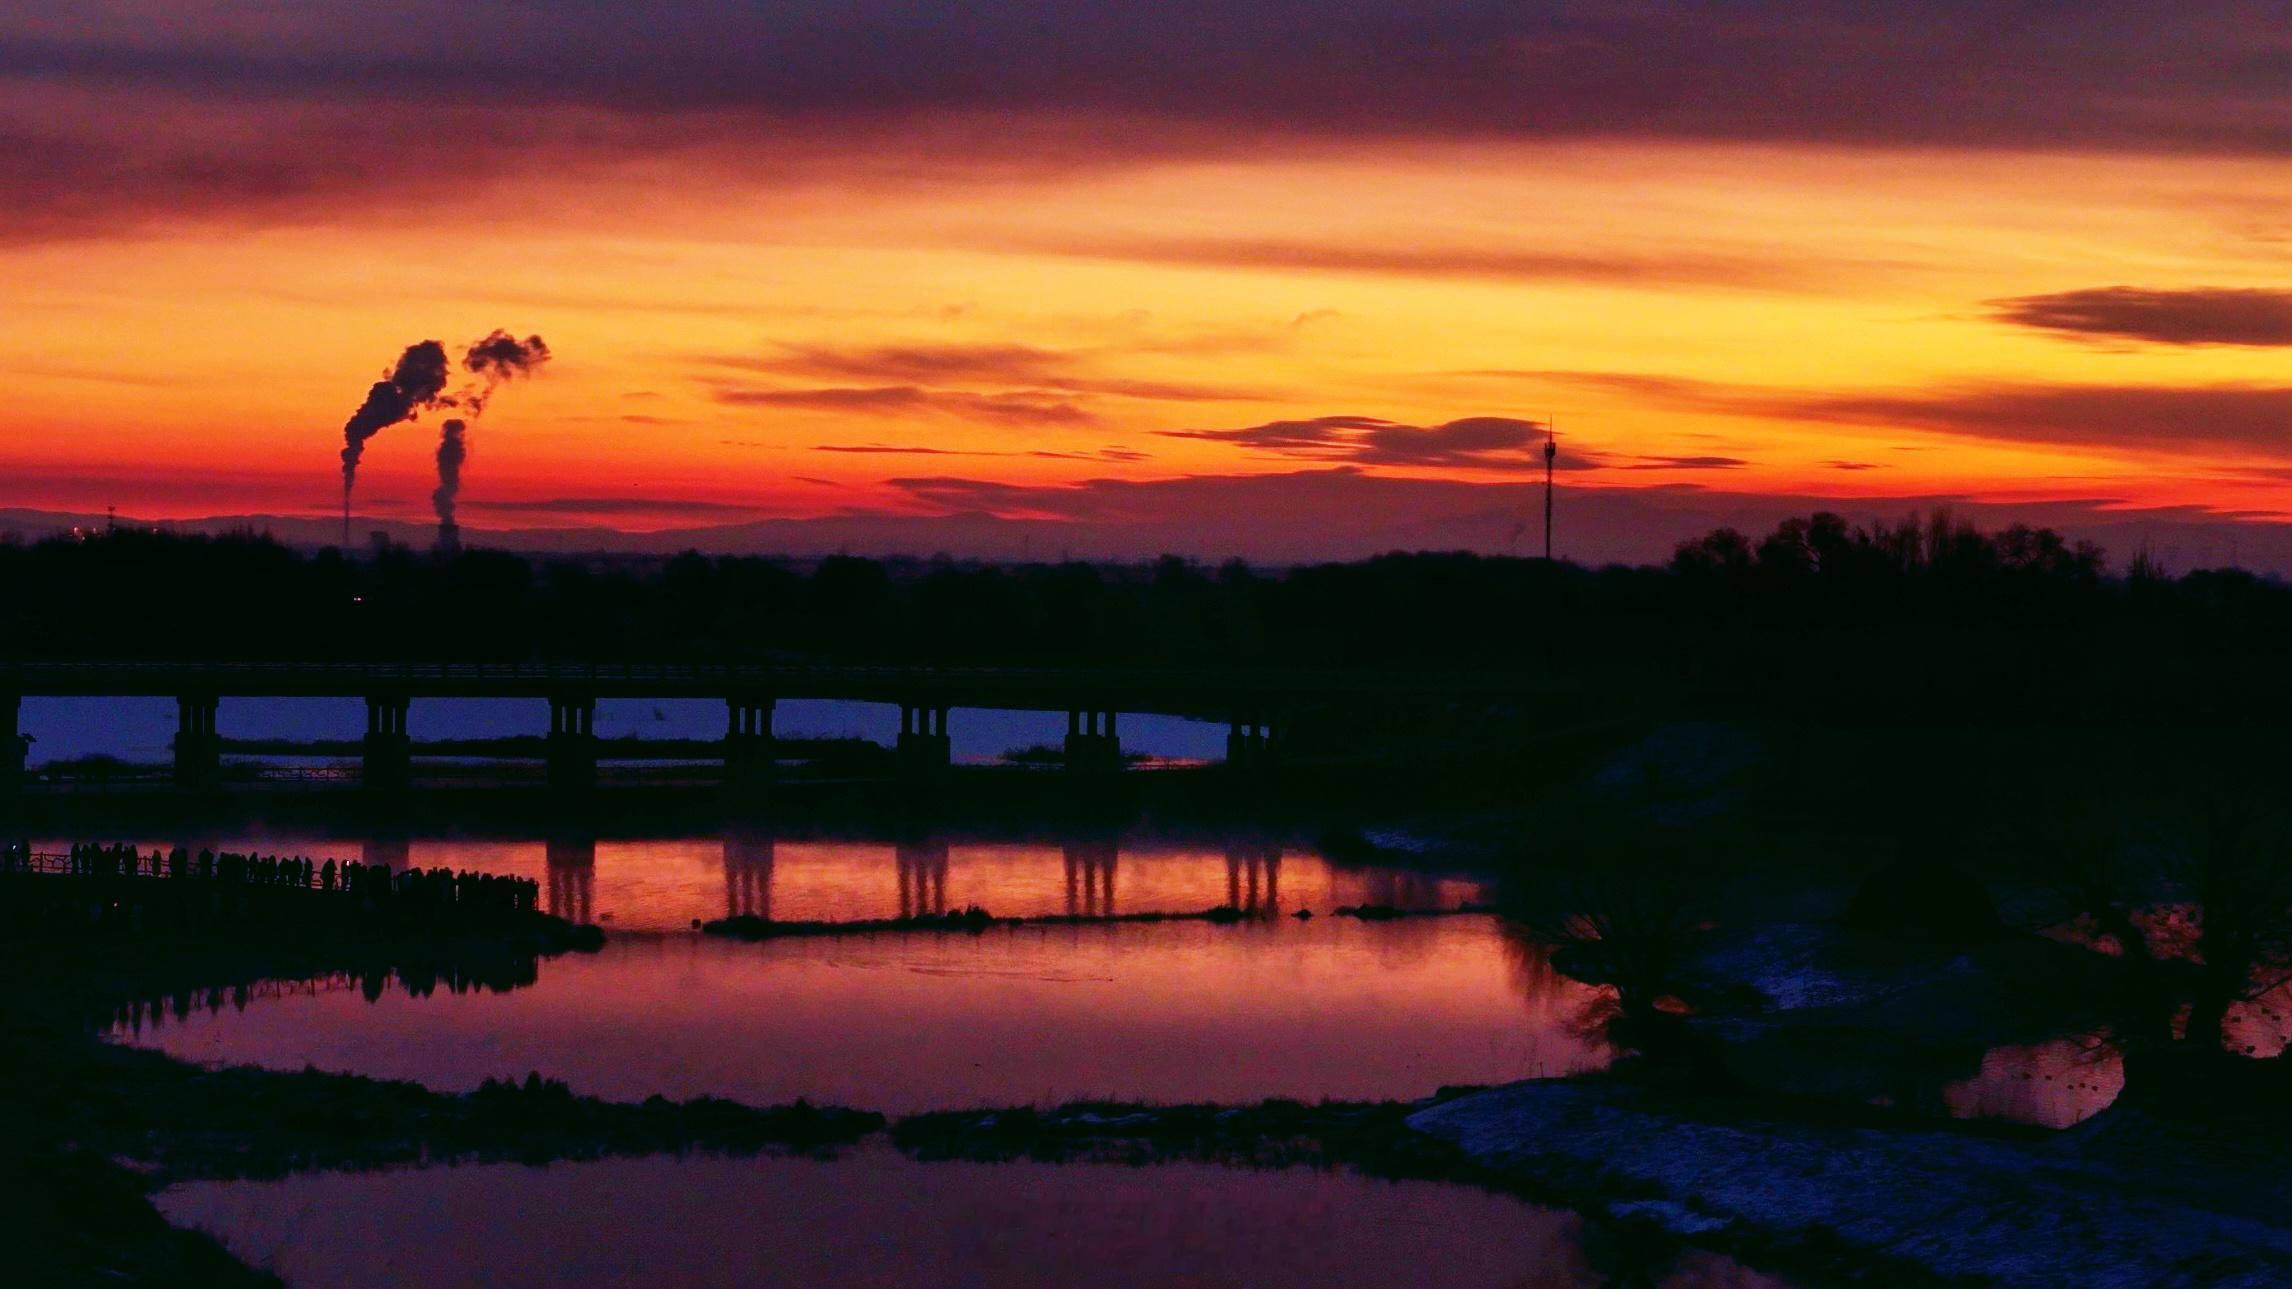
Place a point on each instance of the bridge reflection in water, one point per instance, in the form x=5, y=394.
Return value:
x=1247, y=866
x=1090, y=864
x=922, y=877
x=666, y=883
x=921, y=867
x=748, y=876
x=572, y=885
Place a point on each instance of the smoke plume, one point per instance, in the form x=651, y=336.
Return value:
x=497, y=358
x=453, y=449
x=415, y=383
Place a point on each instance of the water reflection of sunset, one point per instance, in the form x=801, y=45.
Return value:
x=664, y=884
x=1312, y=1008
x=1173, y=1011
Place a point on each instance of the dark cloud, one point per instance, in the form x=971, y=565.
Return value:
x=147, y=108
x=1479, y=442
x=2197, y=316
x=1029, y=409
x=1473, y=442
x=1917, y=72
x=1854, y=465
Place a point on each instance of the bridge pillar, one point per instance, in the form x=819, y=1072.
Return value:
x=923, y=744
x=389, y=764
x=198, y=748
x=572, y=755
x=748, y=740
x=12, y=744
x=1092, y=744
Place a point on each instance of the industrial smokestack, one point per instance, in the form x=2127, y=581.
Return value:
x=414, y=383
x=453, y=449
x=417, y=383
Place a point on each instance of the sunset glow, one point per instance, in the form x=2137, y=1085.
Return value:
x=784, y=293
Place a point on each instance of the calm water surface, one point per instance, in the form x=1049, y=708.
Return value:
x=1274, y=1006
x=664, y=885
x=876, y=1218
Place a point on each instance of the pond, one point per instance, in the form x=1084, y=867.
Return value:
x=875, y=1217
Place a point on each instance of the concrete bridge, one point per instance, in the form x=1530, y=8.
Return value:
x=1256, y=703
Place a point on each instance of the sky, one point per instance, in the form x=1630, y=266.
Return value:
x=1278, y=277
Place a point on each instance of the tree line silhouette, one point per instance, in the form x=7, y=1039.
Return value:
x=1924, y=598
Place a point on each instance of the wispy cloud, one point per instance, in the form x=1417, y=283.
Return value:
x=1107, y=454
x=1404, y=256
x=994, y=366
x=1015, y=409
x=899, y=450
x=1672, y=463
x=2156, y=418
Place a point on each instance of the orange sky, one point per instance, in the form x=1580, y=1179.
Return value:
x=795, y=315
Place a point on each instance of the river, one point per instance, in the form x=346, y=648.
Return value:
x=1275, y=1005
